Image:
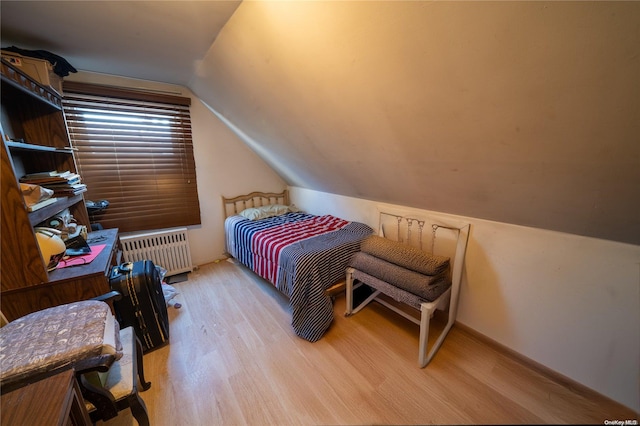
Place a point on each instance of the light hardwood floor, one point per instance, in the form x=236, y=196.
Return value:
x=233, y=359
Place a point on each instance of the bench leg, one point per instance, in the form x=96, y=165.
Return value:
x=349, y=292
x=425, y=316
x=350, y=310
x=426, y=311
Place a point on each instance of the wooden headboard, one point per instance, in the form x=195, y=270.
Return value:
x=235, y=205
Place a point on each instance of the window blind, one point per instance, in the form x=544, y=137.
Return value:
x=134, y=149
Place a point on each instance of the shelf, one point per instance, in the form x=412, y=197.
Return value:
x=32, y=116
x=53, y=209
x=29, y=86
x=23, y=146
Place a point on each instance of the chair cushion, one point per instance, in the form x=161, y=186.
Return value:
x=120, y=378
x=48, y=339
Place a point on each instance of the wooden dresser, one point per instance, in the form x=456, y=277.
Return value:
x=55, y=400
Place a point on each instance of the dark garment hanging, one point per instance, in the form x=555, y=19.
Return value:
x=60, y=65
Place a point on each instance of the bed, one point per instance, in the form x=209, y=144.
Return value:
x=302, y=255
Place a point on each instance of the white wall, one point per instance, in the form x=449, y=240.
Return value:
x=225, y=166
x=520, y=112
x=568, y=302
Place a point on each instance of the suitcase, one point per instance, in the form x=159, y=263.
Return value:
x=142, y=305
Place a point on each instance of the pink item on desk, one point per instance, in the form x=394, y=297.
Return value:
x=82, y=260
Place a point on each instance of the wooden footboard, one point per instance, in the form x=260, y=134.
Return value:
x=235, y=205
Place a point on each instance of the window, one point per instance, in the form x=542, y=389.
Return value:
x=134, y=149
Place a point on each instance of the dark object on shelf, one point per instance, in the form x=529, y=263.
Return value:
x=95, y=210
x=60, y=65
x=77, y=246
x=142, y=305
x=94, y=207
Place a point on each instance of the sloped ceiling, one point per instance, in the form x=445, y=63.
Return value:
x=518, y=112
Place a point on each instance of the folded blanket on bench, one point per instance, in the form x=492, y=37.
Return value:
x=428, y=287
x=429, y=293
x=404, y=255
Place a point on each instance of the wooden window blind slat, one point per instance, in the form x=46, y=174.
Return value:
x=135, y=150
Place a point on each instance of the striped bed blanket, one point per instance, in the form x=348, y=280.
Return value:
x=302, y=255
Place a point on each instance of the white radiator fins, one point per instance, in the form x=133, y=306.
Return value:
x=167, y=248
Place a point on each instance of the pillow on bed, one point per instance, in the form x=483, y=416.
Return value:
x=255, y=213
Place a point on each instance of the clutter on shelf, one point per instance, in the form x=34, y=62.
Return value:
x=63, y=184
x=43, y=66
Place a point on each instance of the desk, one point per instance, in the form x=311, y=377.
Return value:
x=67, y=285
x=55, y=400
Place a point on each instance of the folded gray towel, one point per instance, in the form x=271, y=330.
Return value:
x=419, y=284
x=429, y=294
x=404, y=255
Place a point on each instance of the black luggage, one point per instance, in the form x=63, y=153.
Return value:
x=142, y=305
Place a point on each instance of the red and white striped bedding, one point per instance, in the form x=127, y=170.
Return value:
x=302, y=255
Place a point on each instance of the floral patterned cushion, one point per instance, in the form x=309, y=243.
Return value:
x=53, y=337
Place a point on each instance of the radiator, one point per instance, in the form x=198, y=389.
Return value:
x=167, y=248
